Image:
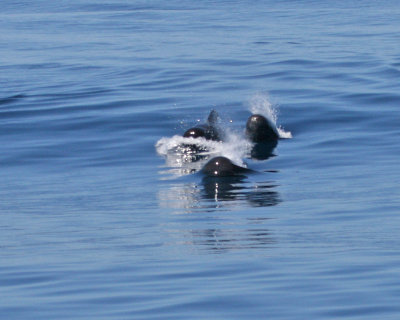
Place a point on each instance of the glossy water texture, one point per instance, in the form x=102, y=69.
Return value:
x=95, y=223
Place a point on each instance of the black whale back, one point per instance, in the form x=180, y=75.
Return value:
x=222, y=167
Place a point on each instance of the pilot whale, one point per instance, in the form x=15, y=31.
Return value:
x=208, y=130
x=222, y=167
x=259, y=129
x=263, y=133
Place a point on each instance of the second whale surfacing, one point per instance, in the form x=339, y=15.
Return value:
x=259, y=129
x=264, y=134
x=223, y=167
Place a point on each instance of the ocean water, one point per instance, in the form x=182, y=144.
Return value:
x=101, y=218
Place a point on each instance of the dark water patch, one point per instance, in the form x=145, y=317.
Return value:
x=262, y=42
x=24, y=279
x=35, y=66
x=12, y=99
x=298, y=62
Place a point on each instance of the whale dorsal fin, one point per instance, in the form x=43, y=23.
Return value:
x=213, y=117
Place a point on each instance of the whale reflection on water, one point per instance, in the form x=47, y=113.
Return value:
x=206, y=218
x=235, y=189
x=218, y=193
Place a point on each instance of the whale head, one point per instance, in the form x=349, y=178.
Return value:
x=260, y=129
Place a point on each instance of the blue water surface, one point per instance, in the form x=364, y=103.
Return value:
x=95, y=223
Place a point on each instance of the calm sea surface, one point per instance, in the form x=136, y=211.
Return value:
x=97, y=222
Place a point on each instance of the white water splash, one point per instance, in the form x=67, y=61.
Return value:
x=179, y=155
x=260, y=104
